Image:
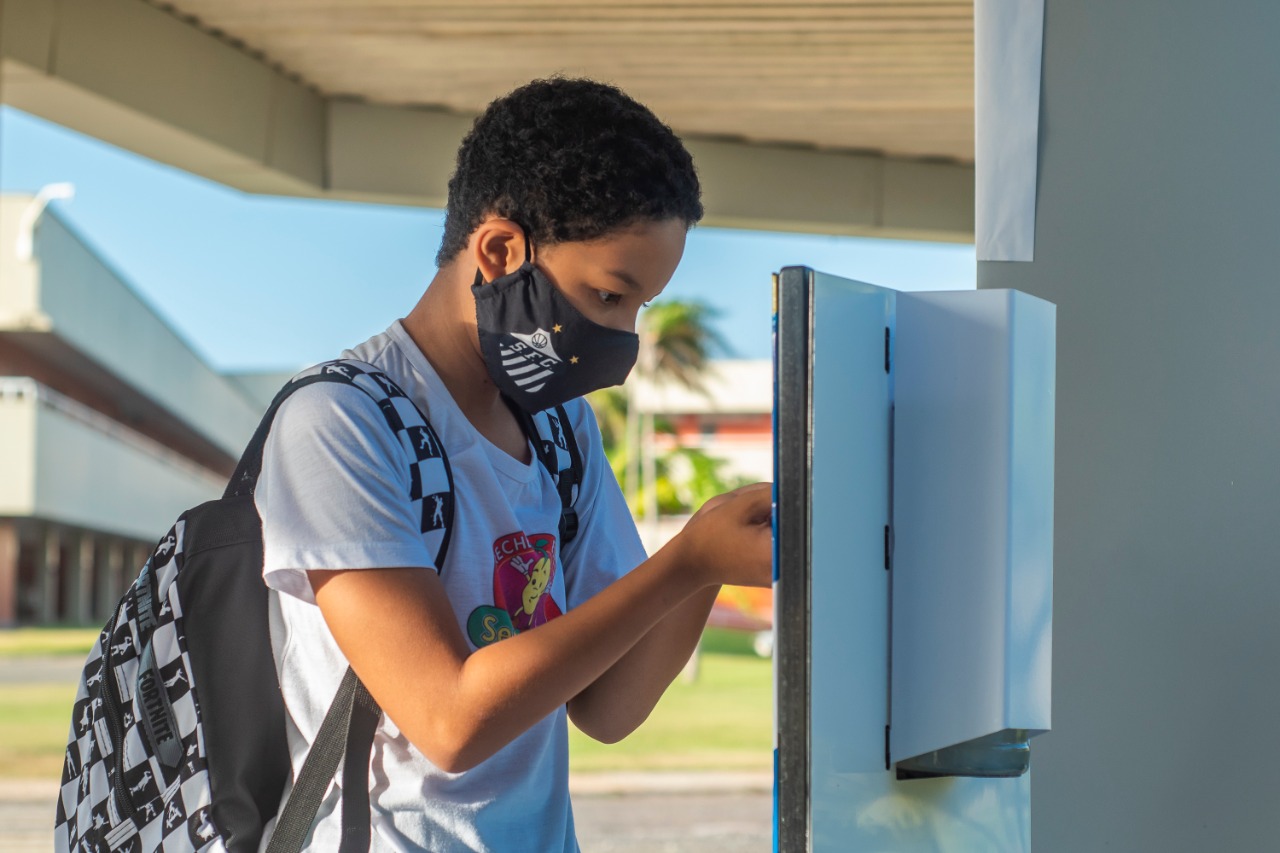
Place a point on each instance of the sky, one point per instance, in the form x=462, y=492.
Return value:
x=271, y=283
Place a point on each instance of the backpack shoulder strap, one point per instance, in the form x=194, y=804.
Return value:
x=347, y=733
x=431, y=478
x=348, y=717
x=552, y=435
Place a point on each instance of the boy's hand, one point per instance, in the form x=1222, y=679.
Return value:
x=730, y=539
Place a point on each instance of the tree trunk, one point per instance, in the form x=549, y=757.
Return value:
x=632, y=478
x=650, y=479
x=648, y=453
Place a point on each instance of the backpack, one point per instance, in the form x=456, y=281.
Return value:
x=161, y=754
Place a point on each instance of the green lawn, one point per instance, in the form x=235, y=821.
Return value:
x=35, y=718
x=26, y=642
x=34, y=721
x=722, y=721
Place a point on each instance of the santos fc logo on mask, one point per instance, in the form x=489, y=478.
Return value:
x=530, y=360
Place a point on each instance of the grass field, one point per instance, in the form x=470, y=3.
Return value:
x=31, y=642
x=723, y=721
x=34, y=721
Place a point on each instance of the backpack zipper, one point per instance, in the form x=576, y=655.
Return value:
x=124, y=800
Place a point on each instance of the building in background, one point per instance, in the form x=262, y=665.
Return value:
x=110, y=424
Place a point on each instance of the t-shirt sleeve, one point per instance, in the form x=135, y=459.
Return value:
x=607, y=545
x=334, y=490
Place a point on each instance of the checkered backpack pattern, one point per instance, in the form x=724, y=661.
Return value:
x=557, y=447
x=177, y=738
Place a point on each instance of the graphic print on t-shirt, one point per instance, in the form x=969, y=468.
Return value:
x=524, y=565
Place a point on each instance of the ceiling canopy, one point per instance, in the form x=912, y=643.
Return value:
x=889, y=77
x=816, y=116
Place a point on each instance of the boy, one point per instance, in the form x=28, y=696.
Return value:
x=568, y=211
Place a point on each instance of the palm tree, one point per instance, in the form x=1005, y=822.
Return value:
x=677, y=340
x=610, y=408
x=682, y=340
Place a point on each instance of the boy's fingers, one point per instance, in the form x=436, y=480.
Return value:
x=759, y=503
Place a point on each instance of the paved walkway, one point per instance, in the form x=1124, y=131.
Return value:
x=614, y=812
x=673, y=812
x=668, y=812
x=685, y=822
x=51, y=669
x=26, y=815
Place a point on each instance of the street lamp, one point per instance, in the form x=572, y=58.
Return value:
x=31, y=215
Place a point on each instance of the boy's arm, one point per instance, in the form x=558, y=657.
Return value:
x=616, y=703
x=623, y=697
x=398, y=631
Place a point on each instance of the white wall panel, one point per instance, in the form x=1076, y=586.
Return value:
x=92, y=473
x=17, y=437
x=89, y=305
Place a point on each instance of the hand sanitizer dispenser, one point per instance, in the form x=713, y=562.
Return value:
x=972, y=558
x=913, y=530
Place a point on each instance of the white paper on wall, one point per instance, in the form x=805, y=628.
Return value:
x=1008, y=43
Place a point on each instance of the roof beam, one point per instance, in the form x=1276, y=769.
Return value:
x=136, y=76
x=827, y=192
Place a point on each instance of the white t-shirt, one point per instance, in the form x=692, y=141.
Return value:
x=333, y=494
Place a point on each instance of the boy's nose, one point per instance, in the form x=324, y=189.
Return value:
x=624, y=323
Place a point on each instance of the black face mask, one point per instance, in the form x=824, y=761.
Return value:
x=541, y=351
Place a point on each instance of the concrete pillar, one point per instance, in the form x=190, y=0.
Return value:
x=1158, y=200
x=80, y=570
x=8, y=573
x=110, y=582
x=48, y=571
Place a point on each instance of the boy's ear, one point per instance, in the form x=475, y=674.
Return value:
x=498, y=248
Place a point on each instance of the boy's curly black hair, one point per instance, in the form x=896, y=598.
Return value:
x=568, y=160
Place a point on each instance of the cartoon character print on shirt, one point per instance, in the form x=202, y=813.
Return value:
x=524, y=566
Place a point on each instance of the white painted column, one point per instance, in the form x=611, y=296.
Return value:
x=1158, y=202
x=80, y=571
x=111, y=583
x=8, y=573
x=48, y=569
x=139, y=554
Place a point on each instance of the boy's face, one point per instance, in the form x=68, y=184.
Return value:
x=609, y=279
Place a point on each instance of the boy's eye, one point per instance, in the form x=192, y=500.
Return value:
x=608, y=298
